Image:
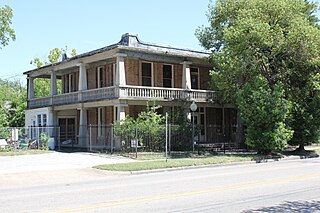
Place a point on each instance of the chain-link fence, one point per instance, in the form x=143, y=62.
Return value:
x=137, y=137
x=22, y=138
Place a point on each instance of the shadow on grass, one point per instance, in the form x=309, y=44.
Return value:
x=295, y=206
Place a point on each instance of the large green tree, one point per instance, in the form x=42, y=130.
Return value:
x=274, y=41
x=6, y=31
x=13, y=103
x=42, y=85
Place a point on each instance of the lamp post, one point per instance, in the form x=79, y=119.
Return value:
x=193, y=108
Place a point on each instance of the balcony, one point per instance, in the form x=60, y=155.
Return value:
x=124, y=92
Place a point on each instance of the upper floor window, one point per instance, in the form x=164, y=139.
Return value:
x=146, y=74
x=101, y=77
x=194, y=72
x=167, y=76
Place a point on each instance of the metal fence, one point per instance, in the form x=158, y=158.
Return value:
x=138, y=138
x=22, y=138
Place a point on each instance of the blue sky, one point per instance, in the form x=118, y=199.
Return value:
x=42, y=25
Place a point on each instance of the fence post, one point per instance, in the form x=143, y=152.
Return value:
x=169, y=139
x=136, y=141
x=166, y=136
x=112, y=138
x=90, y=138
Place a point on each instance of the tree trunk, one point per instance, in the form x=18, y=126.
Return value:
x=301, y=148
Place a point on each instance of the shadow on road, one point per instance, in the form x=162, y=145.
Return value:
x=296, y=206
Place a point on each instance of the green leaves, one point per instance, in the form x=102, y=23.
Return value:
x=13, y=103
x=267, y=59
x=6, y=32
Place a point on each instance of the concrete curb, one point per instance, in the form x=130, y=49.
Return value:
x=206, y=166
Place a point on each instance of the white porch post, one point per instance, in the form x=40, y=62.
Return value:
x=50, y=117
x=30, y=88
x=83, y=127
x=121, y=114
x=120, y=70
x=82, y=77
x=53, y=84
x=186, y=77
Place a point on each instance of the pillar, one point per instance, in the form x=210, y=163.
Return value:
x=30, y=88
x=83, y=127
x=186, y=76
x=82, y=77
x=53, y=84
x=120, y=70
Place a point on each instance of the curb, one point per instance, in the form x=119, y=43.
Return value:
x=207, y=166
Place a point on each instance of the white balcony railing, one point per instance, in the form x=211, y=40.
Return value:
x=124, y=92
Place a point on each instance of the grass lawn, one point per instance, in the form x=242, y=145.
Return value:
x=23, y=152
x=175, y=162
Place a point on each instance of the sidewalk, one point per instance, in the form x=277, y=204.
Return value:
x=53, y=168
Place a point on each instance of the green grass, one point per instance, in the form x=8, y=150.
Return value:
x=173, y=163
x=23, y=152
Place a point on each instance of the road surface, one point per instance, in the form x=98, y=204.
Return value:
x=284, y=186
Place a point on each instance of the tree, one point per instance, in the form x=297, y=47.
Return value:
x=42, y=85
x=148, y=125
x=6, y=32
x=264, y=111
x=275, y=41
x=13, y=103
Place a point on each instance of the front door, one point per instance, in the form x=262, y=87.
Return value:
x=199, y=122
x=67, y=131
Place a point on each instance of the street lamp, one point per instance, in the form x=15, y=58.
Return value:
x=193, y=108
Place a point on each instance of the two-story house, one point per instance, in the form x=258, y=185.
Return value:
x=104, y=85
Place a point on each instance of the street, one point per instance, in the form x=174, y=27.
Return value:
x=283, y=186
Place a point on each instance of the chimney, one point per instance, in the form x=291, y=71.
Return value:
x=64, y=56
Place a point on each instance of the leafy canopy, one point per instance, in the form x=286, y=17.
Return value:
x=276, y=42
x=42, y=85
x=6, y=31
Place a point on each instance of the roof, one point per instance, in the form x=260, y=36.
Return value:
x=133, y=43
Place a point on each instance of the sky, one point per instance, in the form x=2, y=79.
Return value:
x=42, y=25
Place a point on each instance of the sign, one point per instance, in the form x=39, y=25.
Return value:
x=134, y=142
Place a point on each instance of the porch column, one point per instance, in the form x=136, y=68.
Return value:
x=30, y=88
x=186, y=76
x=121, y=113
x=83, y=127
x=82, y=77
x=50, y=117
x=53, y=84
x=120, y=70
x=51, y=123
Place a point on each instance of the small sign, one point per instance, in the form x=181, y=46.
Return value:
x=134, y=142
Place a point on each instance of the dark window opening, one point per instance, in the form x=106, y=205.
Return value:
x=146, y=74
x=194, y=78
x=167, y=76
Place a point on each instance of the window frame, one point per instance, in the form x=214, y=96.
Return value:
x=172, y=76
x=152, y=73
x=198, y=77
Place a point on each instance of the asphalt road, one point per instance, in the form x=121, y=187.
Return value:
x=284, y=186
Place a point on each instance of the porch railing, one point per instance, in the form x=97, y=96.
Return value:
x=124, y=92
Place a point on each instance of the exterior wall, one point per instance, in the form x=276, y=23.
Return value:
x=109, y=75
x=204, y=78
x=133, y=74
x=31, y=115
x=177, y=75
x=92, y=78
